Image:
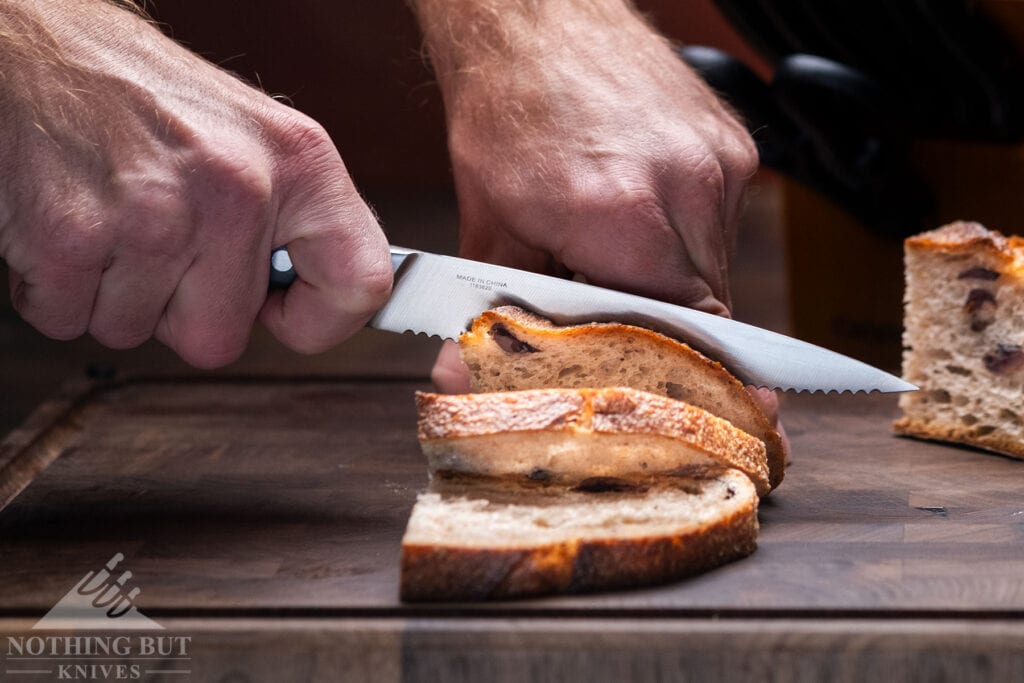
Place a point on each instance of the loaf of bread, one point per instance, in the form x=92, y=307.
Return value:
x=479, y=538
x=963, y=336
x=568, y=435
x=511, y=349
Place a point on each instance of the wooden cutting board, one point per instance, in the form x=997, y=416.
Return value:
x=286, y=499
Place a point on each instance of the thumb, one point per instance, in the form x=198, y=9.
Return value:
x=340, y=255
x=449, y=374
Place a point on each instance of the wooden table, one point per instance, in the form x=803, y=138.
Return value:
x=262, y=519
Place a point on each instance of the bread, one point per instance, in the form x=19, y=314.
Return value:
x=598, y=456
x=478, y=538
x=568, y=435
x=568, y=490
x=510, y=349
x=964, y=326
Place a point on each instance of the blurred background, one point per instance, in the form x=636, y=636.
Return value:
x=874, y=158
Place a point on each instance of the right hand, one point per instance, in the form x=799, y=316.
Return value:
x=144, y=190
x=582, y=144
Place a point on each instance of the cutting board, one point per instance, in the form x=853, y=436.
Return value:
x=270, y=500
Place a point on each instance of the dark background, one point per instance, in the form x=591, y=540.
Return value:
x=358, y=68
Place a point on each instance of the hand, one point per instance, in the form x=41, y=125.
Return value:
x=582, y=144
x=144, y=189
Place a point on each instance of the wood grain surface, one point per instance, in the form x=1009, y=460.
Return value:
x=273, y=500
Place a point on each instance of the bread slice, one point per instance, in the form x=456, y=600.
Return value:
x=963, y=336
x=476, y=539
x=508, y=348
x=568, y=435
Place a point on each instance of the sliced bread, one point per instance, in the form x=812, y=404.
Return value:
x=478, y=538
x=508, y=348
x=568, y=435
x=963, y=336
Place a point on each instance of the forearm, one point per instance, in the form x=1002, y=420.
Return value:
x=38, y=33
x=61, y=64
x=67, y=62
x=476, y=40
x=47, y=47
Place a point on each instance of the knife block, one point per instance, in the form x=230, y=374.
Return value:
x=846, y=281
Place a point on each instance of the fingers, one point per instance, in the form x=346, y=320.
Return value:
x=677, y=229
x=208, y=319
x=625, y=238
x=55, y=268
x=150, y=258
x=768, y=401
x=336, y=246
x=449, y=374
x=696, y=210
x=56, y=302
x=132, y=297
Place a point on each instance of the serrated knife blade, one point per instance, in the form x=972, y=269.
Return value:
x=440, y=296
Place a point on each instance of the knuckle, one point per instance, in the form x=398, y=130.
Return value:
x=211, y=350
x=60, y=323
x=376, y=278
x=742, y=158
x=74, y=239
x=60, y=328
x=631, y=202
x=118, y=334
x=241, y=178
x=306, y=344
x=644, y=205
x=708, y=175
x=56, y=303
x=365, y=281
x=603, y=190
x=157, y=223
x=211, y=335
x=306, y=139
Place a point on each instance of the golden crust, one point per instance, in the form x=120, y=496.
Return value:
x=952, y=432
x=435, y=572
x=478, y=332
x=966, y=237
x=612, y=410
x=698, y=364
x=958, y=235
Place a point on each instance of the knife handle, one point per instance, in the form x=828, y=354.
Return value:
x=282, y=272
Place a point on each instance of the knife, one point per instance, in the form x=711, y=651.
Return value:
x=441, y=295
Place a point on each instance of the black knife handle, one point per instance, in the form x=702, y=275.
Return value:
x=282, y=272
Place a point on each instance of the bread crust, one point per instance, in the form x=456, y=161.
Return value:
x=450, y=426
x=954, y=433
x=960, y=236
x=449, y=571
x=726, y=396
